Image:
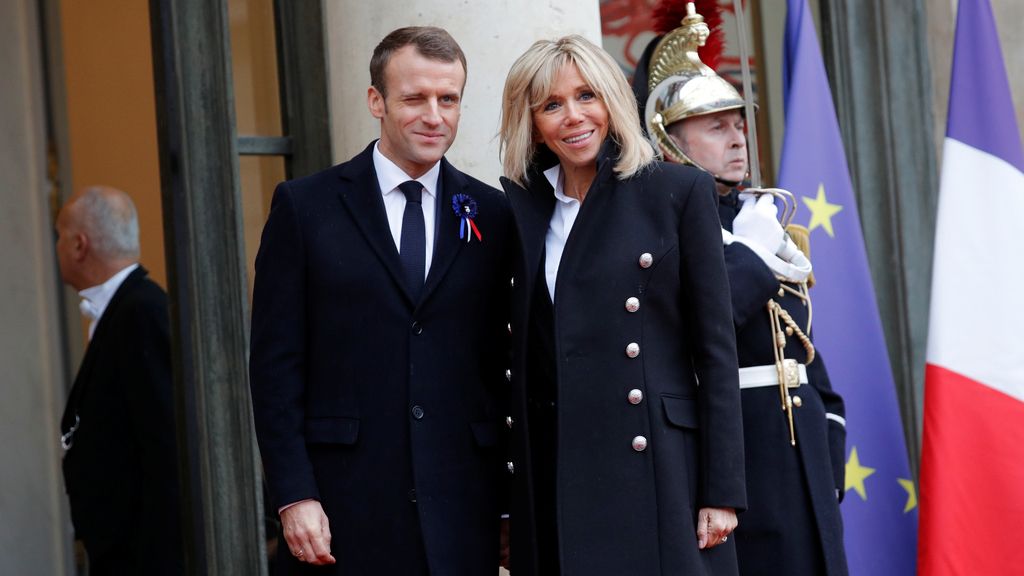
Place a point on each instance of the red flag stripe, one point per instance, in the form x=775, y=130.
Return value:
x=972, y=478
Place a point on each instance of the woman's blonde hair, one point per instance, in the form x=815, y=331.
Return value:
x=529, y=84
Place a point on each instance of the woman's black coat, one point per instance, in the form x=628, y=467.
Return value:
x=620, y=510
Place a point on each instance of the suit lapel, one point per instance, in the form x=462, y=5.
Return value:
x=447, y=244
x=82, y=377
x=360, y=193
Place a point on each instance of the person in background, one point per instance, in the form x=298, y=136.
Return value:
x=118, y=432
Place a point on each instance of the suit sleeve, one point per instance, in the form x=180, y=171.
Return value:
x=713, y=340
x=835, y=411
x=278, y=352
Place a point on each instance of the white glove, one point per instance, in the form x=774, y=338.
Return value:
x=757, y=222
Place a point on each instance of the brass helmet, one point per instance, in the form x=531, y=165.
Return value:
x=681, y=86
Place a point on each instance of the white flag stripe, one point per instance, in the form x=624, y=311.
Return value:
x=977, y=307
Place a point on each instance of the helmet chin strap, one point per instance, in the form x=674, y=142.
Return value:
x=724, y=182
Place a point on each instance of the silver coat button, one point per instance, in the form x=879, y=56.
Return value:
x=508, y=375
x=511, y=467
x=636, y=396
x=509, y=421
x=639, y=443
x=646, y=260
x=632, y=304
x=632, y=350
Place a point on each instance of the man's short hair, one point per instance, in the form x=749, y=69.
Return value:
x=430, y=41
x=110, y=220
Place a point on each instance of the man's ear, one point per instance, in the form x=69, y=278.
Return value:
x=375, y=102
x=79, y=246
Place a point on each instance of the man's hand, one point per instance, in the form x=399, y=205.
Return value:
x=503, y=554
x=714, y=526
x=757, y=221
x=307, y=533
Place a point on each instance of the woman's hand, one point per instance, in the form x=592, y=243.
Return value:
x=714, y=526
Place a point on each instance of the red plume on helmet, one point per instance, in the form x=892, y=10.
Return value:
x=668, y=14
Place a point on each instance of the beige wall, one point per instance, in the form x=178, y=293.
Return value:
x=34, y=525
x=1009, y=15
x=111, y=110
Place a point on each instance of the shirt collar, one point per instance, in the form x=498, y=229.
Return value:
x=98, y=297
x=554, y=176
x=389, y=175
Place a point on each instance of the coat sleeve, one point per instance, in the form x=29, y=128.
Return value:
x=705, y=288
x=835, y=411
x=278, y=353
x=751, y=283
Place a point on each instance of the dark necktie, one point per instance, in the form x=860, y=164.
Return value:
x=413, y=246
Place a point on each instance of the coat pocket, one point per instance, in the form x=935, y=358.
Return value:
x=681, y=412
x=332, y=430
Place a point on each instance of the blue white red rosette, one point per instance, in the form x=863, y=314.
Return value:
x=464, y=207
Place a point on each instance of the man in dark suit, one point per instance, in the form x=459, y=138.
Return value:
x=118, y=426
x=379, y=338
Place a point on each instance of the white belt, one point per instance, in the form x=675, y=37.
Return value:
x=767, y=375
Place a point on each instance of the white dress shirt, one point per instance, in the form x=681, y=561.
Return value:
x=566, y=210
x=389, y=176
x=95, y=299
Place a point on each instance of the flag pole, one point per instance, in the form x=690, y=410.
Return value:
x=748, y=95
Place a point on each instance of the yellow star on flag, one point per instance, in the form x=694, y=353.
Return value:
x=821, y=211
x=856, y=474
x=908, y=485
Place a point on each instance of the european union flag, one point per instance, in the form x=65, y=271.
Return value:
x=880, y=508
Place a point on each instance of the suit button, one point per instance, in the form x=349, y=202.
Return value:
x=632, y=304
x=508, y=375
x=646, y=260
x=635, y=396
x=639, y=443
x=412, y=495
x=417, y=412
x=417, y=328
x=632, y=350
x=511, y=467
x=797, y=401
x=512, y=282
x=509, y=421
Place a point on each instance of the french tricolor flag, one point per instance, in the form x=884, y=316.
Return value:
x=972, y=464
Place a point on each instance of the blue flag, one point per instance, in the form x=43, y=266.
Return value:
x=880, y=507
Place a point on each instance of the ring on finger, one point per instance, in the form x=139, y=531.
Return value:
x=724, y=538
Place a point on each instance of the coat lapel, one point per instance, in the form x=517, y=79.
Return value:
x=82, y=379
x=447, y=243
x=360, y=193
x=532, y=209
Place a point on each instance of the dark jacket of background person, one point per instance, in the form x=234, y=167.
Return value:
x=121, y=470
x=793, y=525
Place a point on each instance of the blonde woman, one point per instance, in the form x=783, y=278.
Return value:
x=622, y=463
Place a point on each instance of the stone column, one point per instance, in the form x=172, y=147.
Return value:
x=492, y=34
x=35, y=530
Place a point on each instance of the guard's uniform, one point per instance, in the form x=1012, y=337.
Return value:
x=793, y=525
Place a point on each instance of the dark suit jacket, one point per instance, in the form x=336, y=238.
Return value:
x=619, y=510
x=384, y=409
x=121, y=470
